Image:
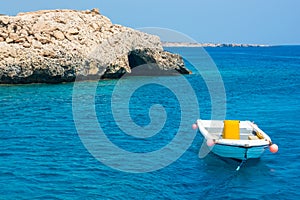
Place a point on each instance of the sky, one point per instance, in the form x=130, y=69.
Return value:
x=216, y=21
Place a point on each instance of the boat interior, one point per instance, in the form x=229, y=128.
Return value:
x=232, y=129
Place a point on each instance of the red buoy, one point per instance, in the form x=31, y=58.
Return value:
x=273, y=148
x=210, y=143
x=194, y=126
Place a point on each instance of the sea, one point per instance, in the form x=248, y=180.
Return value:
x=133, y=138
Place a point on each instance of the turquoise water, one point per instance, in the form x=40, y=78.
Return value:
x=42, y=156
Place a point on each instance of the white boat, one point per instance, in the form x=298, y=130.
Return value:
x=240, y=140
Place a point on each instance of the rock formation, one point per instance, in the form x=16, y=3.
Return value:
x=54, y=46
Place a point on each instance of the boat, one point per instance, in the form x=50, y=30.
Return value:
x=241, y=140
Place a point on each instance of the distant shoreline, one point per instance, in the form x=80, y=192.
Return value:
x=186, y=44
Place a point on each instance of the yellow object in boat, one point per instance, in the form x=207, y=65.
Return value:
x=259, y=135
x=231, y=129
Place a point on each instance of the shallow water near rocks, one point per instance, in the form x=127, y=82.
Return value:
x=42, y=156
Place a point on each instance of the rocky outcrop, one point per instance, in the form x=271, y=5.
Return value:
x=55, y=46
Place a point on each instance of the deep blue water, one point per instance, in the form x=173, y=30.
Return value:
x=42, y=156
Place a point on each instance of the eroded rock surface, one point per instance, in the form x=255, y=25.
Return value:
x=53, y=46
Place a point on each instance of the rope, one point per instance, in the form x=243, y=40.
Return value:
x=226, y=180
x=243, y=161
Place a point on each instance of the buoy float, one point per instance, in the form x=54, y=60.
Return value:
x=194, y=126
x=210, y=143
x=273, y=148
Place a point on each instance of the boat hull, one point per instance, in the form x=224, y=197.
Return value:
x=238, y=152
x=240, y=140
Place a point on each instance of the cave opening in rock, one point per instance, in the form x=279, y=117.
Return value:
x=135, y=60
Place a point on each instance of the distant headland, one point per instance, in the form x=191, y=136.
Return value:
x=186, y=44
